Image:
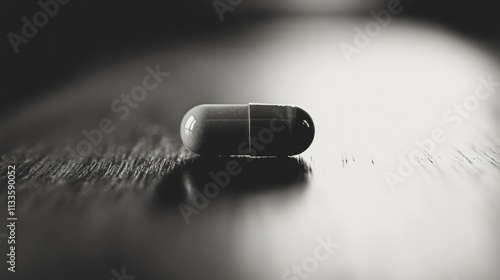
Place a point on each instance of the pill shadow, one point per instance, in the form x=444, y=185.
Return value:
x=231, y=176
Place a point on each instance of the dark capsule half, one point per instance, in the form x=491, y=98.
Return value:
x=254, y=129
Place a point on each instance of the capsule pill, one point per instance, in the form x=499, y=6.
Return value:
x=253, y=129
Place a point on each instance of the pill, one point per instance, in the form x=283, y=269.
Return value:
x=253, y=129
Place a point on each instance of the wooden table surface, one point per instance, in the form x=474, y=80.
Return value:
x=83, y=217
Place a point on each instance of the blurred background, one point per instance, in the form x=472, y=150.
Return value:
x=88, y=35
x=81, y=216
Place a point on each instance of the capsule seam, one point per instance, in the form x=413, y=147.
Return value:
x=249, y=135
